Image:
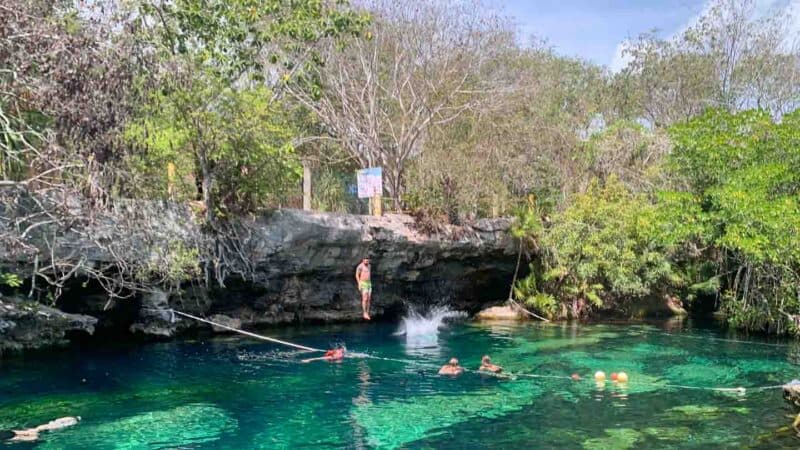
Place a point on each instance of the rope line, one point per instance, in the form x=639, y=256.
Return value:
x=739, y=389
x=247, y=333
x=736, y=341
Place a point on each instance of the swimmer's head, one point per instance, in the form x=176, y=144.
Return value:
x=486, y=359
x=453, y=362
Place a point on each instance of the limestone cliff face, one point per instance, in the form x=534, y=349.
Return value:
x=304, y=265
x=29, y=325
x=303, y=268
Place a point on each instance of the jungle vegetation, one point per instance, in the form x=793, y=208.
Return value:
x=677, y=175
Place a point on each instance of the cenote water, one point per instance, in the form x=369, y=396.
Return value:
x=237, y=393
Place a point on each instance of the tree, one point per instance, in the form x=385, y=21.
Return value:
x=240, y=147
x=530, y=139
x=602, y=251
x=418, y=67
x=629, y=151
x=65, y=96
x=732, y=58
x=64, y=91
x=742, y=169
x=212, y=67
x=93, y=93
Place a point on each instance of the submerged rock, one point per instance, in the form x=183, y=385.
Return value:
x=26, y=325
x=183, y=427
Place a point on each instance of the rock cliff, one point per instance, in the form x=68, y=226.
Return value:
x=302, y=270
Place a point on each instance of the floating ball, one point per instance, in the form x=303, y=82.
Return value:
x=575, y=377
x=600, y=376
x=622, y=377
x=613, y=376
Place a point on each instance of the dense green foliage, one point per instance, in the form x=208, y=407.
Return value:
x=724, y=224
x=210, y=101
x=609, y=246
x=242, y=146
x=742, y=169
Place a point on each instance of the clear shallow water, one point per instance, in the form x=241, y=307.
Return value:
x=234, y=393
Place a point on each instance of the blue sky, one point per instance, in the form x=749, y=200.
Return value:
x=593, y=29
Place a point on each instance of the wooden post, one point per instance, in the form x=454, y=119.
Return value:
x=306, y=186
x=171, y=180
x=377, y=207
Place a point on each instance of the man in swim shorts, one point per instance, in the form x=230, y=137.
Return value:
x=364, y=282
x=32, y=434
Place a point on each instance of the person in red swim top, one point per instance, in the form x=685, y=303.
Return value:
x=333, y=355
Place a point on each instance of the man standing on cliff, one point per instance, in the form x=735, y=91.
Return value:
x=364, y=286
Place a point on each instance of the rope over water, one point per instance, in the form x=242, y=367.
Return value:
x=740, y=390
x=247, y=333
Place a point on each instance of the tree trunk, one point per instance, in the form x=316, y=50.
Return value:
x=395, y=188
x=208, y=187
x=306, y=186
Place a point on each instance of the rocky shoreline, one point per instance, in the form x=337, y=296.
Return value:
x=302, y=265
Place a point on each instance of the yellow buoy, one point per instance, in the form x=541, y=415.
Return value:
x=600, y=376
x=622, y=377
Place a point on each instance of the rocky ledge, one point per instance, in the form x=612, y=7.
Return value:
x=302, y=270
x=304, y=266
x=29, y=325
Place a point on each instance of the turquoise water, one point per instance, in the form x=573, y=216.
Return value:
x=234, y=393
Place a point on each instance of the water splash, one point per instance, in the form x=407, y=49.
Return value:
x=422, y=330
x=417, y=324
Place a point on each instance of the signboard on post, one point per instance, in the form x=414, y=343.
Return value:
x=370, y=185
x=370, y=182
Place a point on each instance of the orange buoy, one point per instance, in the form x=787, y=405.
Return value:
x=622, y=377
x=613, y=376
x=575, y=377
x=600, y=376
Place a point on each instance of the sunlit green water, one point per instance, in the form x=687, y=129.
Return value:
x=238, y=394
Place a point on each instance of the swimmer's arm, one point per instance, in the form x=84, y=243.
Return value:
x=358, y=273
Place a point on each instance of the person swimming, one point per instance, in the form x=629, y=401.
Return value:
x=332, y=355
x=451, y=368
x=487, y=366
x=32, y=434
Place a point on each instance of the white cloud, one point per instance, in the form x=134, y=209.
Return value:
x=787, y=8
x=620, y=59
